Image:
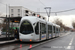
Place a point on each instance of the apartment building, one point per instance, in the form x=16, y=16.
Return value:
x=19, y=11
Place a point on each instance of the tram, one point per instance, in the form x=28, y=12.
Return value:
x=34, y=29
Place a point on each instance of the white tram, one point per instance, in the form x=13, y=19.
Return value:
x=34, y=29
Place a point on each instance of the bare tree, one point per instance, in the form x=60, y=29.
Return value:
x=59, y=22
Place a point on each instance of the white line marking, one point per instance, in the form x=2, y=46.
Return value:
x=65, y=35
x=70, y=43
x=69, y=47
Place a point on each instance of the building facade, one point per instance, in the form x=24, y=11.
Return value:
x=19, y=11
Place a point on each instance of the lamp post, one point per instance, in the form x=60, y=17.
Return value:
x=9, y=21
x=6, y=20
x=48, y=13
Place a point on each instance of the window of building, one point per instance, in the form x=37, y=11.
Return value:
x=11, y=10
x=11, y=15
x=18, y=14
x=18, y=10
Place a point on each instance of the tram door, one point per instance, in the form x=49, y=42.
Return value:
x=58, y=31
x=39, y=31
x=47, y=33
x=42, y=31
x=53, y=31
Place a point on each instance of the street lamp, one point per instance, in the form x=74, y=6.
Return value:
x=48, y=13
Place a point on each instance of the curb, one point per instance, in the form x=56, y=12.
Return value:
x=6, y=42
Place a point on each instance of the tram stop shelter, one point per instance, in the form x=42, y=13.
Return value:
x=8, y=27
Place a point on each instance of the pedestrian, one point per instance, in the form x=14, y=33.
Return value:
x=16, y=33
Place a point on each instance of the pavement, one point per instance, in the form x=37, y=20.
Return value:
x=64, y=42
x=4, y=40
x=9, y=41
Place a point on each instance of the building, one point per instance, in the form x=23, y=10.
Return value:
x=19, y=11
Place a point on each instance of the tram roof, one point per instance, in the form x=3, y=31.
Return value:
x=57, y=26
x=33, y=17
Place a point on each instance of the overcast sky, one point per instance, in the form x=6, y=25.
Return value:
x=39, y=5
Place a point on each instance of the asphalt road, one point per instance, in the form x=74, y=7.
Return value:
x=59, y=43
x=66, y=42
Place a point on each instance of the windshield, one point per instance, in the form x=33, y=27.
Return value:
x=26, y=27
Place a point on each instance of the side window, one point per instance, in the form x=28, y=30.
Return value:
x=54, y=29
x=18, y=10
x=43, y=28
x=49, y=29
x=58, y=30
x=37, y=28
x=11, y=10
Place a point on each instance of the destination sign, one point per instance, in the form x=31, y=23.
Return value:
x=26, y=23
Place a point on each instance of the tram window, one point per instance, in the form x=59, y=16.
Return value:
x=49, y=29
x=43, y=28
x=26, y=27
x=54, y=29
x=37, y=28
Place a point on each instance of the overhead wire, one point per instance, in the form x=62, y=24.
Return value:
x=64, y=10
x=42, y=3
x=57, y=11
x=60, y=11
x=2, y=3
